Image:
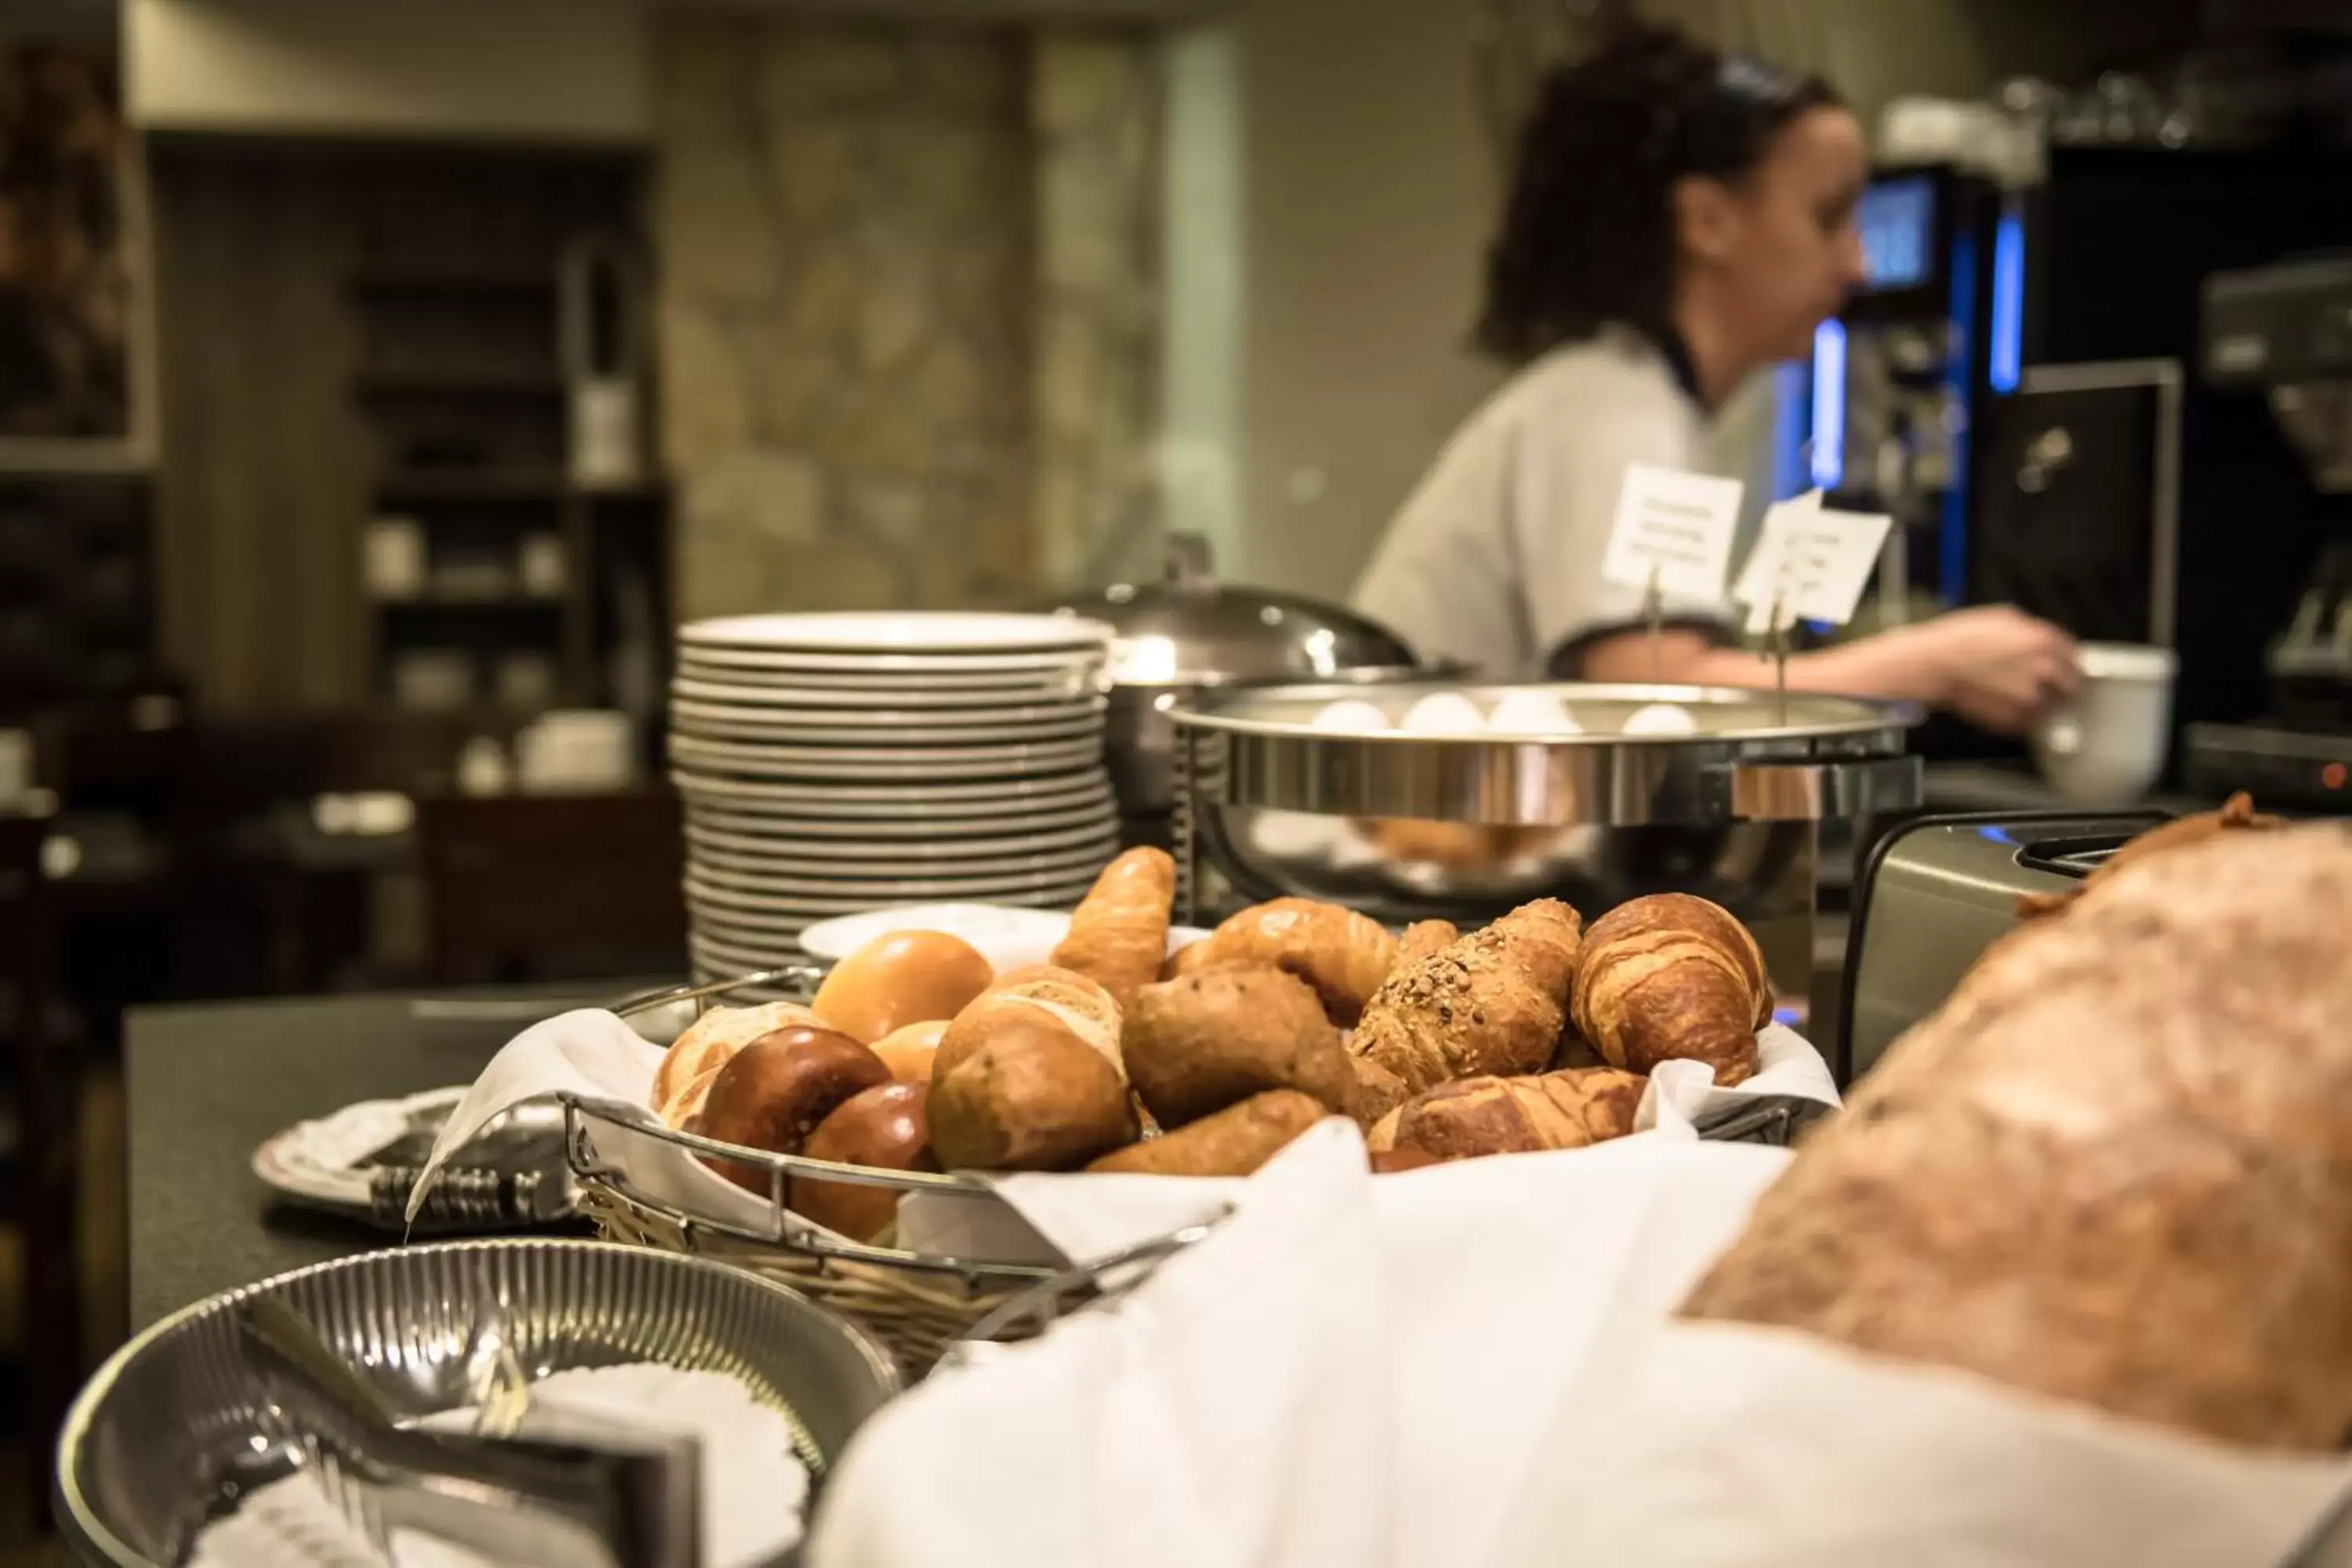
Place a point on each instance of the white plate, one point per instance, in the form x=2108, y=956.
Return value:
x=324, y=1161
x=729, y=923
x=896, y=632
x=805, y=692
x=887, y=728
x=888, y=763
x=1042, y=795
x=801, y=895
x=894, y=835
x=760, y=873
x=1006, y=936
x=769, y=842
x=1046, y=680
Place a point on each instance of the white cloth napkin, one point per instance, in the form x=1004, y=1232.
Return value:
x=1472, y=1364
x=754, y=1489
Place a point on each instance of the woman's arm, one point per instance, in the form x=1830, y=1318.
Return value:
x=1993, y=665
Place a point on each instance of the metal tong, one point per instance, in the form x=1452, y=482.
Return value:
x=572, y=1494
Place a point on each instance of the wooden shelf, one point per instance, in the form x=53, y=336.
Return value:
x=533, y=385
x=428, y=485
x=391, y=279
x=494, y=603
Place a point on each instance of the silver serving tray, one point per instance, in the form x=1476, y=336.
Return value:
x=150, y=1439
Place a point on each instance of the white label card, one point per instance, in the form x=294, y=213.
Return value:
x=1675, y=529
x=1813, y=562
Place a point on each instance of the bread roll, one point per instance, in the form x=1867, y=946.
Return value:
x=1024, y=996
x=883, y=1127
x=1392, y=1162
x=909, y=1052
x=1027, y=1095
x=772, y=1093
x=1233, y=1142
x=1516, y=1115
x=899, y=978
x=1118, y=934
x=1344, y=955
x=1202, y=1043
x=695, y=1058
x=1492, y=1003
x=1671, y=976
x=2113, y=1167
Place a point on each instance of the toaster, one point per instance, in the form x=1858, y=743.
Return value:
x=1935, y=893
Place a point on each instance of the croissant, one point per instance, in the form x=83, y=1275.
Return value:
x=1342, y=954
x=1490, y=1003
x=1513, y=1115
x=1671, y=976
x=1119, y=935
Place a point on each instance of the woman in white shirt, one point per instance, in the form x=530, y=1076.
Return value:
x=1678, y=220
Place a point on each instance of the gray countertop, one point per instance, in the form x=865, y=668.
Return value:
x=205, y=1086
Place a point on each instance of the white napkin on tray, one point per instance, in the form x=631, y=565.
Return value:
x=1473, y=1365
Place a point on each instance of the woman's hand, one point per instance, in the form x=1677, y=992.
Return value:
x=1993, y=665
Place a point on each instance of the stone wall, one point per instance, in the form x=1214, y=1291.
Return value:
x=904, y=315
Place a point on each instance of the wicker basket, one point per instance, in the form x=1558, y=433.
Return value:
x=919, y=1305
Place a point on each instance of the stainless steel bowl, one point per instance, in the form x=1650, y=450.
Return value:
x=1408, y=826
x=149, y=1441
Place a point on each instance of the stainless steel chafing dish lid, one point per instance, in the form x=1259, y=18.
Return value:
x=1748, y=759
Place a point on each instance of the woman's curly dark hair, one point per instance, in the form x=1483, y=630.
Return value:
x=1587, y=235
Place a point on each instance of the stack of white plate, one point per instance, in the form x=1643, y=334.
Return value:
x=832, y=763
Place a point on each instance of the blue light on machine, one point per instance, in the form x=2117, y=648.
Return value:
x=2007, y=347
x=1829, y=404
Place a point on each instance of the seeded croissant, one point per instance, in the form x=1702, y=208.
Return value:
x=1493, y=1002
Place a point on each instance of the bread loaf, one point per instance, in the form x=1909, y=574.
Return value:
x=1671, y=976
x=1491, y=1003
x=1514, y=1115
x=2116, y=1167
x=883, y=1127
x=1028, y=1095
x=1118, y=934
x=2236, y=814
x=1233, y=1142
x=695, y=1058
x=772, y=1093
x=1039, y=991
x=1342, y=954
x=1202, y=1043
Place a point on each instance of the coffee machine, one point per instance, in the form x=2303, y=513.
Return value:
x=2285, y=332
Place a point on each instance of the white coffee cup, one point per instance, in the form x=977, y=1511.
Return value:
x=2108, y=745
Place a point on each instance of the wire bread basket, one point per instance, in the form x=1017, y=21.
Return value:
x=919, y=1304
x=922, y=1305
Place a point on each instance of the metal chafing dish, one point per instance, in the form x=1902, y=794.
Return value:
x=1191, y=632
x=1410, y=826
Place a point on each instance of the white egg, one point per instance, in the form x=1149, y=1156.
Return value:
x=1660, y=719
x=1445, y=713
x=1532, y=713
x=1353, y=716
